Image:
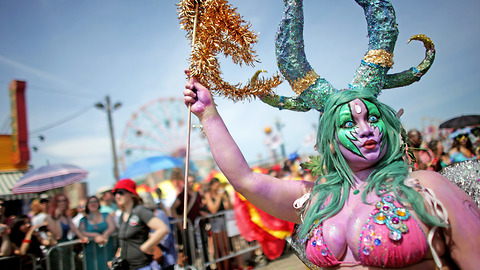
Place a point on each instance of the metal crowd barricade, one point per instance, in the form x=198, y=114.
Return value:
x=11, y=261
x=195, y=242
x=62, y=262
x=184, y=241
x=236, y=245
x=18, y=262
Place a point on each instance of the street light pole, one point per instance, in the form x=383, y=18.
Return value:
x=279, y=126
x=108, y=108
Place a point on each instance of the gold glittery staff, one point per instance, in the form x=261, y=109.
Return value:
x=222, y=30
x=189, y=129
x=219, y=29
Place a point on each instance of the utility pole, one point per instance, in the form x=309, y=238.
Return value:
x=279, y=126
x=109, y=109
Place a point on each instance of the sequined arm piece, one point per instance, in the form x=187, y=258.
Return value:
x=466, y=175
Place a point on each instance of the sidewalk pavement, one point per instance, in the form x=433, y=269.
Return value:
x=286, y=262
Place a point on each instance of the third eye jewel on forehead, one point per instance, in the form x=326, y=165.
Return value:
x=357, y=108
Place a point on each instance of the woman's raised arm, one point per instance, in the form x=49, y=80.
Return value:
x=272, y=195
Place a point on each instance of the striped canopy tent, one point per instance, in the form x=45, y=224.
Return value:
x=7, y=180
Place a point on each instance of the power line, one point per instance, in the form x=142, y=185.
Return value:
x=55, y=124
x=59, y=91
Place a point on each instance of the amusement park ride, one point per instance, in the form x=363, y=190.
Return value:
x=159, y=127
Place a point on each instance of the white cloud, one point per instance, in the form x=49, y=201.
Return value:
x=81, y=151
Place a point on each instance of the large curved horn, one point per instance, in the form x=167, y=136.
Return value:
x=312, y=90
x=382, y=34
x=412, y=75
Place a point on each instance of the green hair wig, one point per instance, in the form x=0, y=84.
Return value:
x=388, y=176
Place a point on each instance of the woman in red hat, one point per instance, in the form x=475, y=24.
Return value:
x=136, y=242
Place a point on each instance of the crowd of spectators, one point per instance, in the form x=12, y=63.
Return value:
x=438, y=153
x=94, y=221
x=51, y=220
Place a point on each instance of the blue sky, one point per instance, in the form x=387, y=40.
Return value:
x=74, y=53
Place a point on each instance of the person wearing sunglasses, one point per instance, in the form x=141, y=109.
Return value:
x=136, y=242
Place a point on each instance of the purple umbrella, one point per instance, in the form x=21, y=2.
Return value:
x=49, y=177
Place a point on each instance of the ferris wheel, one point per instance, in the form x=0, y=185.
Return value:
x=160, y=128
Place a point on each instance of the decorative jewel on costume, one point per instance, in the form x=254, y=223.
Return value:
x=356, y=191
x=367, y=240
x=392, y=217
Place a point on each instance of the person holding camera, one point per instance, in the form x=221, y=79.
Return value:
x=217, y=200
x=136, y=243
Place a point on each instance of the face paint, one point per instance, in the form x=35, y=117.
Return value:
x=374, y=117
x=361, y=130
x=346, y=129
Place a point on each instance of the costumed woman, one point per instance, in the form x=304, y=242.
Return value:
x=98, y=227
x=366, y=209
x=136, y=243
x=370, y=211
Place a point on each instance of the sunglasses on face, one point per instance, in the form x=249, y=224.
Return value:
x=92, y=202
x=120, y=192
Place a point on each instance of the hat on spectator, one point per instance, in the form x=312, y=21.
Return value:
x=277, y=168
x=102, y=190
x=126, y=184
x=43, y=198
